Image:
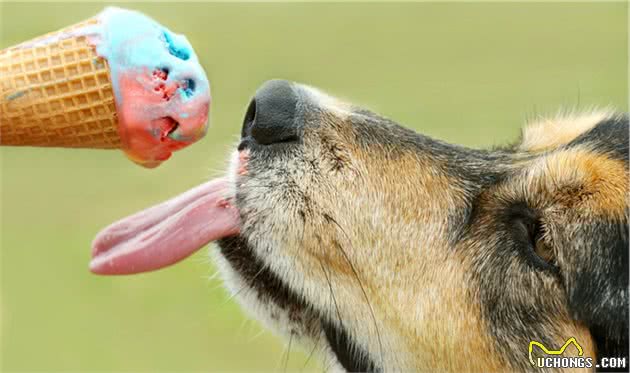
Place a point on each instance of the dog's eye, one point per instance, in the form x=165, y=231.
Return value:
x=543, y=251
x=530, y=234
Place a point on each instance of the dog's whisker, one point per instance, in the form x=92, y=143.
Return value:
x=256, y=336
x=332, y=293
x=243, y=288
x=356, y=276
x=312, y=352
x=286, y=355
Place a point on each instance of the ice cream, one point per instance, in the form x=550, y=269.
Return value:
x=158, y=87
x=162, y=93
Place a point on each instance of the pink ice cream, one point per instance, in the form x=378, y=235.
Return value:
x=161, y=91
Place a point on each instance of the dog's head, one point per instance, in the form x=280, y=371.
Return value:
x=387, y=249
x=383, y=249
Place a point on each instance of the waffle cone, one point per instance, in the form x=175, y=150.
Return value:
x=56, y=91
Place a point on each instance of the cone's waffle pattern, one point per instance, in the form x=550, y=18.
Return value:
x=56, y=91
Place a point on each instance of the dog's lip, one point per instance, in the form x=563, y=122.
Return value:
x=246, y=143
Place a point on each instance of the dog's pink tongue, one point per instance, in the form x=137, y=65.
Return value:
x=167, y=233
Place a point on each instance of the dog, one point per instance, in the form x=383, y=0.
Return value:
x=381, y=249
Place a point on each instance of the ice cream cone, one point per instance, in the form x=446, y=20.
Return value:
x=118, y=80
x=56, y=90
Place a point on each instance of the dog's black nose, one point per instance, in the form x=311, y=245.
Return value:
x=270, y=117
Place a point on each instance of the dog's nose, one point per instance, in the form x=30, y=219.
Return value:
x=270, y=117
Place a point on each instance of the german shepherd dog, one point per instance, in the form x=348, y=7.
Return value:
x=381, y=249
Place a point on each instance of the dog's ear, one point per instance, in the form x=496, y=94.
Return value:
x=590, y=178
x=596, y=280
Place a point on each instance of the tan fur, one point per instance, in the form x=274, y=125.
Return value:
x=383, y=216
x=549, y=133
x=581, y=178
x=362, y=234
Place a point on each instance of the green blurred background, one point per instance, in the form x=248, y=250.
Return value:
x=469, y=73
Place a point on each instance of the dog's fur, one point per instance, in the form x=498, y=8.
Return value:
x=382, y=249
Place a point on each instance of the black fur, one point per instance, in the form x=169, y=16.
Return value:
x=593, y=275
x=598, y=287
x=608, y=137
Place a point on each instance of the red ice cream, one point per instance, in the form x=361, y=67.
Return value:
x=149, y=125
x=161, y=90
